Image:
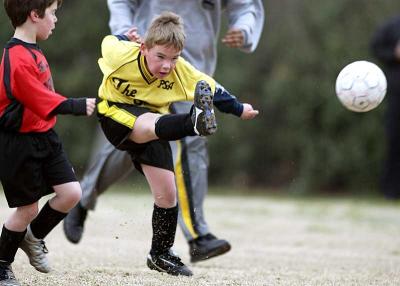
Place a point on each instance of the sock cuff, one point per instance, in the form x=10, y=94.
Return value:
x=166, y=210
x=46, y=220
x=172, y=127
x=53, y=211
x=9, y=242
x=18, y=235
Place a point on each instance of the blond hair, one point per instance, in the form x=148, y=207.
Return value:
x=166, y=29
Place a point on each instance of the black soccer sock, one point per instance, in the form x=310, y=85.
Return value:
x=164, y=227
x=9, y=243
x=172, y=127
x=46, y=220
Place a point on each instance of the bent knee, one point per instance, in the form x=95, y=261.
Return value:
x=28, y=213
x=69, y=194
x=144, y=128
x=166, y=200
x=74, y=195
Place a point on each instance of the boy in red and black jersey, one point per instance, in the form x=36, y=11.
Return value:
x=32, y=160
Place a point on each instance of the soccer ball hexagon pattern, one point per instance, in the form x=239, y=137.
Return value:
x=361, y=86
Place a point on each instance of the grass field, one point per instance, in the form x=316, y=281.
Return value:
x=276, y=241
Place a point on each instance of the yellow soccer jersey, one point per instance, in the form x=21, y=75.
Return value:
x=127, y=80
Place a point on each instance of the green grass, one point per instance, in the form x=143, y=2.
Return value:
x=276, y=241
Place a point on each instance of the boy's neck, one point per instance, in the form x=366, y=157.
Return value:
x=26, y=34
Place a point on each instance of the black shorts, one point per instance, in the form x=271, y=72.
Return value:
x=30, y=164
x=156, y=153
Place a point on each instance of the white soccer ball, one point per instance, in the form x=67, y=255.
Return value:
x=361, y=86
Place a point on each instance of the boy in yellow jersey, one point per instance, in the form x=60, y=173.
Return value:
x=139, y=84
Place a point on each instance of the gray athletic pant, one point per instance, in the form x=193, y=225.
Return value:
x=108, y=165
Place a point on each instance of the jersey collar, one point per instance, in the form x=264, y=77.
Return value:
x=14, y=42
x=148, y=77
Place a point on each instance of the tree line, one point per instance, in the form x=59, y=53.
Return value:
x=303, y=140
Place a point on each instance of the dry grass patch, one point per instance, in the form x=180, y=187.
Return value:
x=275, y=242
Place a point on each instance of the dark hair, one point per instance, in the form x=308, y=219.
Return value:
x=18, y=10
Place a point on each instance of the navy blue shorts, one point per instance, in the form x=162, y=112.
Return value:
x=31, y=164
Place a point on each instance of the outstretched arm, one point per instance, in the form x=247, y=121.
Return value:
x=248, y=112
x=228, y=103
x=76, y=106
x=46, y=102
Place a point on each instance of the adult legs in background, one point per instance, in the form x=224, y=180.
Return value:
x=191, y=172
x=107, y=166
x=391, y=168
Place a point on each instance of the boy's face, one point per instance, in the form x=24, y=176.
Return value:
x=160, y=60
x=46, y=25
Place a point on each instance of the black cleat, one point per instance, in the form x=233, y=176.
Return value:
x=74, y=223
x=203, y=116
x=169, y=263
x=7, y=277
x=207, y=246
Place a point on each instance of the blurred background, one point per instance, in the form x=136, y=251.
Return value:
x=302, y=142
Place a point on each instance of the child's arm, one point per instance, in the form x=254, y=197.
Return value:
x=228, y=103
x=41, y=99
x=132, y=35
x=76, y=106
x=116, y=50
x=248, y=112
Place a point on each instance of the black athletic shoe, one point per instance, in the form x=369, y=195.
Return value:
x=74, y=223
x=169, y=263
x=207, y=246
x=203, y=116
x=7, y=277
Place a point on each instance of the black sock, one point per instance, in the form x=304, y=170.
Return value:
x=46, y=220
x=9, y=242
x=164, y=227
x=172, y=127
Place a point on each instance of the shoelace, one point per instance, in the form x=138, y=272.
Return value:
x=43, y=246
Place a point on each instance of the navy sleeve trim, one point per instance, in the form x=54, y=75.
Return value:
x=226, y=102
x=122, y=37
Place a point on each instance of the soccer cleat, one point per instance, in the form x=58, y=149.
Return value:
x=203, y=116
x=74, y=223
x=36, y=251
x=7, y=277
x=207, y=246
x=168, y=262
